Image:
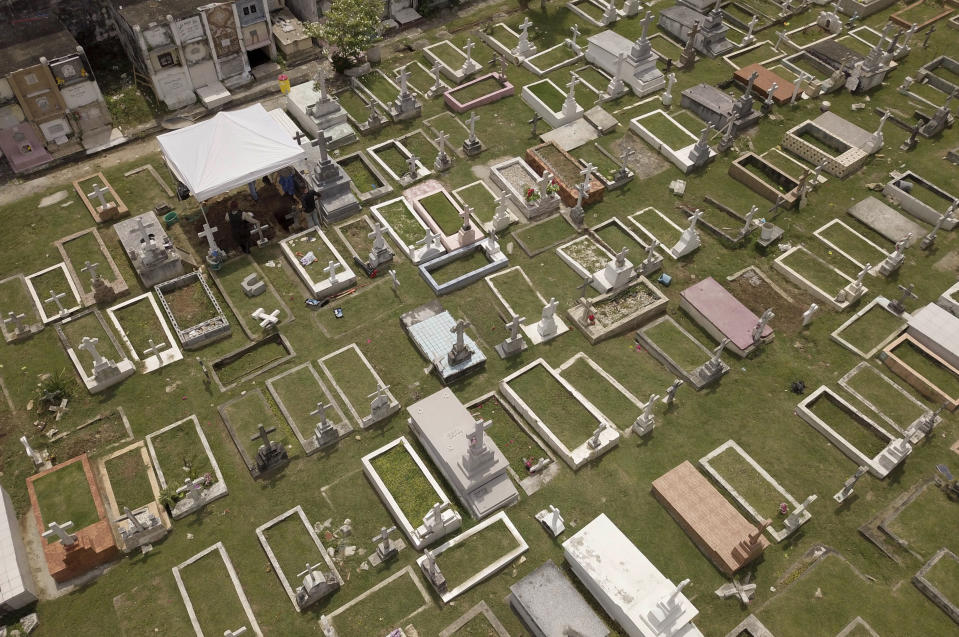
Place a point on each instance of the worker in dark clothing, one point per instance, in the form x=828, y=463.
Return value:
x=308, y=202
x=240, y=222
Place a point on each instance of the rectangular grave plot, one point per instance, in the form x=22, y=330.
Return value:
x=50, y=285
x=870, y=329
x=243, y=416
x=481, y=198
x=63, y=494
x=857, y=431
x=315, y=274
x=138, y=322
x=84, y=247
x=536, y=238
x=355, y=380
x=228, y=280
x=517, y=442
x=15, y=298
x=460, y=268
x=483, y=90
x=193, y=310
x=614, y=235
x=676, y=349
x=392, y=158
x=750, y=485
x=407, y=489
x=155, y=603
x=420, y=78
x=559, y=413
x=567, y=171
x=516, y=293
x=180, y=453
x=290, y=543
x=930, y=375
x=129, y=479
x=391, y=603
x=890, y=401
x=419, y=144
x=851, y=244
x=89, y=324
x=551, y=59
x=656, y=226
x=95, y=435
x=586, y=257
x=938, y=580
x=204, y=582
x=495, y=542
x=600, y=388
x=806, y=270
x=367, y=183
x=380, y=85
x=404, y=226
x=297, y=392
x=915, y=520
x=352, y=496
x=443, y=211
x=619, y=311
x=251, y=360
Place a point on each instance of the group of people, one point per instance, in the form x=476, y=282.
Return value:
x=306, y=214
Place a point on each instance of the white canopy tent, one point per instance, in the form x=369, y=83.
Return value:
x=228, y=150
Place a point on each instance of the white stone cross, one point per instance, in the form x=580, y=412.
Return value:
x=543, y=183
x=651, y=250
x=694, y=218
x=862, y=275
x=379, y=242
x=331, y=270
x=525, y=25
x=469, y=52
x=593, y=441
x=434, y=517
x=235, y=633
x=477, y=441
x=749, y=217
x=620, y=257
x=321, y=81
x=266, y=320
x=154, y=349
x=571, y=95
x=393, y=280
x=133, y=519
x=60, y=531
x=208, y=235
x=89, y=345
x=31, y=452
x=429, y=241
x=55, y=298
x=442, y=140
x=98, y=192
x=752, y=25
x=550, y=309
x=761, y=324
x=403, y=76
x=143, y=228
x=575, y=31
x=472, y=124
x=587, y=172
x=411, y=168
x=437, y=82
x=92, y=269
x=514, y=326
x=320, y=411
x=460, y=330
x=465, y=215
x=13, y=317
x=809, y=313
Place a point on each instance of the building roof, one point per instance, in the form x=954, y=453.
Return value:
x=147, y=11
x=29, y=39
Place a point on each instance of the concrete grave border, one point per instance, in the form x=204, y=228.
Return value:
x=211, y=329
x=310, y=446
x=883, y=303
x=284, y=580
x=497, y=262
x=609, y=378
x=121, y=208
x=394, y=403
x=169, y=355
x=451, y=242
x=406, y=570
x=124, y=371
x=657, y=352
x=571, y=5
x=480, y=609
x=505, y=90
x=914, y=378
x=518, y=232
x=858, y=622
x=284, y=309
x=778, y=535
x=838, y=222
x=915, y=206
x=728, y=58
x=239, y=444
x=803, y=282
x=666, y=247
x=429, y=122
x=32, y=328
x=366, y=197
x=393, y=507
x=39, y=304
x=879, y=464
x=455, y=75
x=530, y=65
x=118, y=284
x=531, y=210
x=405, y=249
x=346, y=278
x=213, y=492
x=575, y=458
x=920, y=580
x=420, y=91
x=844, y=382
x=485, y=573
x=238, y=589
x=579, y=268
x=487, y=227
x=596, y=333
x=421, y=171
x=678, y=156
x=230, y=357
x=494, y=43
x=657, y=263
x=554, y=118
x=502, y=300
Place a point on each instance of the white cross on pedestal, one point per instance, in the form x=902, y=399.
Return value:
x=465, y=215
x=92, y=269
x=393, y=280
x=15, y=318
x=89, y=345
x=320, y=411
x=60, y=531
x=469, y=53
x=514, y=326
x=208, y=235
x=472, y=124
x=442, y=140
x=55, y=298
x=331, y=270
x=235, y=633
x=403, y=76
x=429, y=241
x=98, y=192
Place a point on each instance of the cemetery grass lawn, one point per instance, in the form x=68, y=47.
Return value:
x=255, y=358
x=587, y=253
x=380, y=86
x=154, y=606
x=858, y=435
x=479, y=198
x=615, y=238
x=520, y=296
x=552, y=97
x=920, y=13
x=87, y=325
x=928, y=367
x=761, y=53
x=56, y=281
x=515, y=444
x=592, y=76
x=543, y=235
x=419, y=80
x=401, y=219
x=363, y=179
x=141, y=323
x=603, y=164
x=82, y=249
x=212, y=594
x=293, y=547
x=190, y=305
x=230, y=275
x=922, y=522
x=418, y=144
x=590, y=9
x=887, y=399
x=601, y=393
x=178, y=448
x=443, y=212
x=666, y=131
x=353, y=378
x=467, y=558
x=406, y=483
x=852, y=245
x=65, y=495
x=945, y=577
x=14, y=297
x=505, y=37
x=245, y=417
x=677, y=346
x=354, y=105
x=394, y=159
x=818, y=272
x=356, y=233
x=93, y=438
x=658, y=227
x=299, y=393
x=808, y=35
x=550, y=57
x=742, y=477
x=874, y=326
x=479, y=626
x=562, y=167
x=128, y=479
x=382, y=611
x=475, y=91
x=460, y=267
x=929, y=92
x=449, y=55
x=565, y=416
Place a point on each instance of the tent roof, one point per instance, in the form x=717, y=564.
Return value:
x=228, y=150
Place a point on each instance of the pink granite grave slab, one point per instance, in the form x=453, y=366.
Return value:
x=722, y=314
x=14, y=143
x=450, y=242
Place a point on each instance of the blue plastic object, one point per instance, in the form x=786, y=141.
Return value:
x=665, y=279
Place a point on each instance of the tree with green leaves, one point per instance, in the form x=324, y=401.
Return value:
x=350, y=27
